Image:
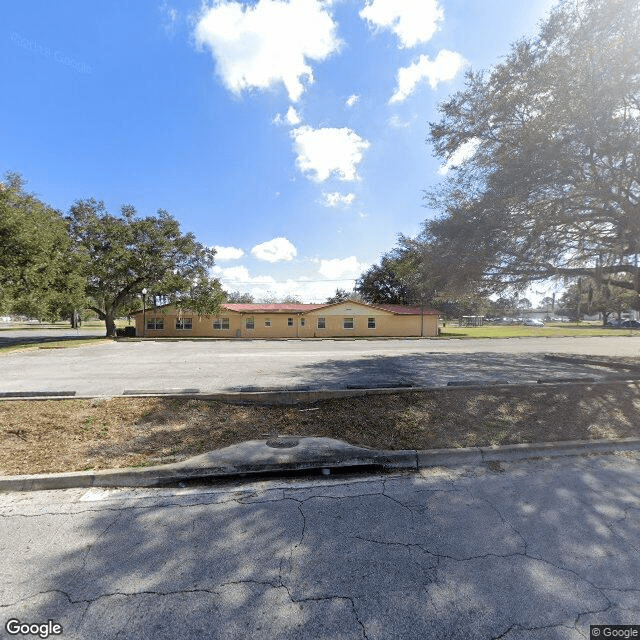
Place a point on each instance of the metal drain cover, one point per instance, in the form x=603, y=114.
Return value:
x=282, y=443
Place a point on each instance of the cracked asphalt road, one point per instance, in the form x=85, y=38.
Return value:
x=532, y=549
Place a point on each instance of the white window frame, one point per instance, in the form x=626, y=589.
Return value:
x=344, y=322
x=182, y=322
x=155, y=324
x=251, y=320
x=371, y=323
x=223, y=323
x=322, y=322
x=289, y=322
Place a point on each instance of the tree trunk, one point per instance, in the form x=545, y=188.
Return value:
x=110, y=322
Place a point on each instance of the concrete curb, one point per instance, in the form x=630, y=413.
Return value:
x=297, y=396
x=283, y=455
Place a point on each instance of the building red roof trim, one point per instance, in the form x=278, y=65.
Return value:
x=276, y=308
x=285, y=307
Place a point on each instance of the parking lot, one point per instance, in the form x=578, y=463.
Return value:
x=112, y=368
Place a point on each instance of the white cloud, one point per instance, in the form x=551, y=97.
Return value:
x=276, y=250
x=460, y=155
x=232, y=274
x=444, y=67
x=326, y=152
x=352, y=100
x=397, y=123
x=413, y=21
x=266, y=286
x=291, y=118
x=268, y=43
x=170, y=15
x=336, y=199
x=338, y=268
x=228, y=253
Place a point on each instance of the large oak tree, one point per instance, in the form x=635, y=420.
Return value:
x=39, y=276
x=124, y=254
x=551, y=184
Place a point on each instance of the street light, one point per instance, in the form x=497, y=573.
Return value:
x=144, y=313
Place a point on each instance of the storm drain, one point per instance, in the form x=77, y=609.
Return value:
x=282, y=443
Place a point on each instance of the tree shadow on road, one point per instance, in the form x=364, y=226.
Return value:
x=438, y=369
x=547, y=550
x=44, y=340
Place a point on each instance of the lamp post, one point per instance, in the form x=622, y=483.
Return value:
x=144, y=313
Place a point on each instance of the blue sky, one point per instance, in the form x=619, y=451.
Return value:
x=290, y=134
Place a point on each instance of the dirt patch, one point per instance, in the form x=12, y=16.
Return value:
x=71, y=435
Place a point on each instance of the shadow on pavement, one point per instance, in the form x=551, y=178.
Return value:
x=27, y=340
x=438, y=369
x=543, y=553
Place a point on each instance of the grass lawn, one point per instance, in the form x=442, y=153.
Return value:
x=55, y=344
x=63, y=325
x=520, y=331
x=75, y=434
x=48, y=341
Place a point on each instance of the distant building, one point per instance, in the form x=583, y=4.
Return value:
x=342, y=319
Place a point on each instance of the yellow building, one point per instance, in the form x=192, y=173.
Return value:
x=342, y=319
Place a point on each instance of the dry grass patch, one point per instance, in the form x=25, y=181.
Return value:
x=69, y=435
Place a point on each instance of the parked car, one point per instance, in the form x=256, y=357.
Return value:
x=630, y=324
x=532, y=322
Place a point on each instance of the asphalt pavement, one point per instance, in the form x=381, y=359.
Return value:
x=521, y=550
x=520, y=542
x=114, y=368
x=38, y=334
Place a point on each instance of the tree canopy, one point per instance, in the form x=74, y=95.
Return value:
x=39, y=276
x=384, y=284
x=238, y=297
x=406, y=275
x=341, y=295
x=586, y=296
x=121, y=255
x=551, y=184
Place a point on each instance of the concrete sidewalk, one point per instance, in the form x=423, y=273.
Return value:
x=281, y=455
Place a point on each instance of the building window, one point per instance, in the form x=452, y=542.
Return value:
x=221, y=324
x=250, y=324
x=184, y=323
x=155, y=324
x=371, y=323
x=322, y=324
x=347, y=323
x=302, y=322
x=289, y=322
x=267, y=323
